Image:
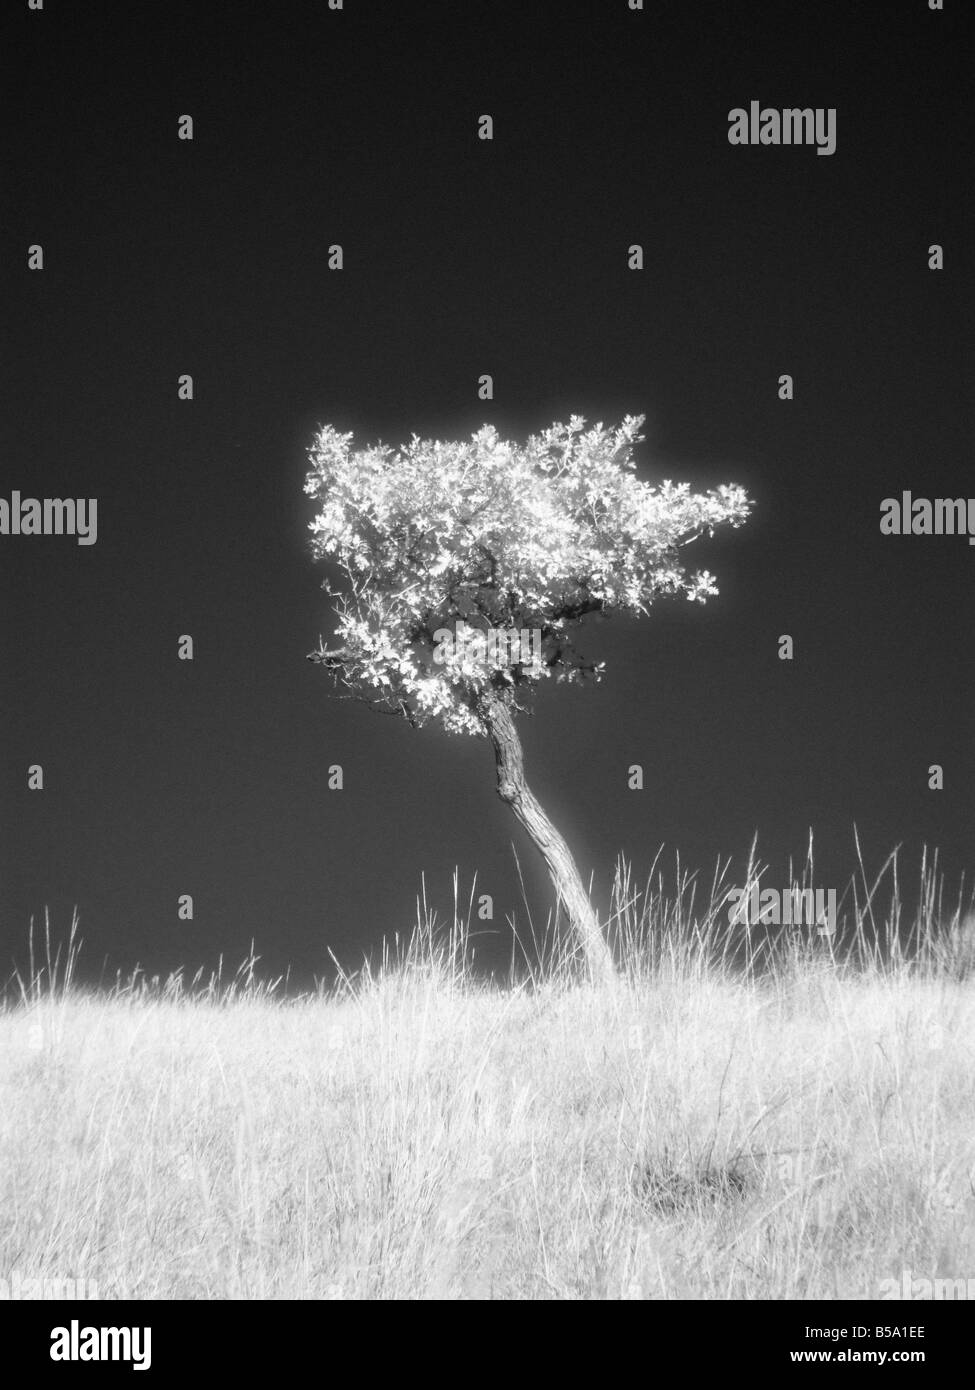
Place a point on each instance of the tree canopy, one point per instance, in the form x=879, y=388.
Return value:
x=488, y=534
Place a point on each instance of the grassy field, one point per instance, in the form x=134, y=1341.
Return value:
x=797, y=1124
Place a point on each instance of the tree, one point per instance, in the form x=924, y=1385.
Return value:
x=467, y=568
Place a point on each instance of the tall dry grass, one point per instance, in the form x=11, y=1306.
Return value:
x=738, y=1118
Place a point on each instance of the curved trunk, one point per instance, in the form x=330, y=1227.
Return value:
x=513, y=789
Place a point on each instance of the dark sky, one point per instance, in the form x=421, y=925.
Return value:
x=463, y=257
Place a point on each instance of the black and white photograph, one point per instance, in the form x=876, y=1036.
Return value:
x=487, y=547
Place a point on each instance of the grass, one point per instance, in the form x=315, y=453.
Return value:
x=790, y=1119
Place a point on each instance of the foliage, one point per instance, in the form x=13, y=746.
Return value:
x=497, y=536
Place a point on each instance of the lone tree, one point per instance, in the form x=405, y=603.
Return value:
x=467, y=568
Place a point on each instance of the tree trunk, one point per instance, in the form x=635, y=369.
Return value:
x=513, y=789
